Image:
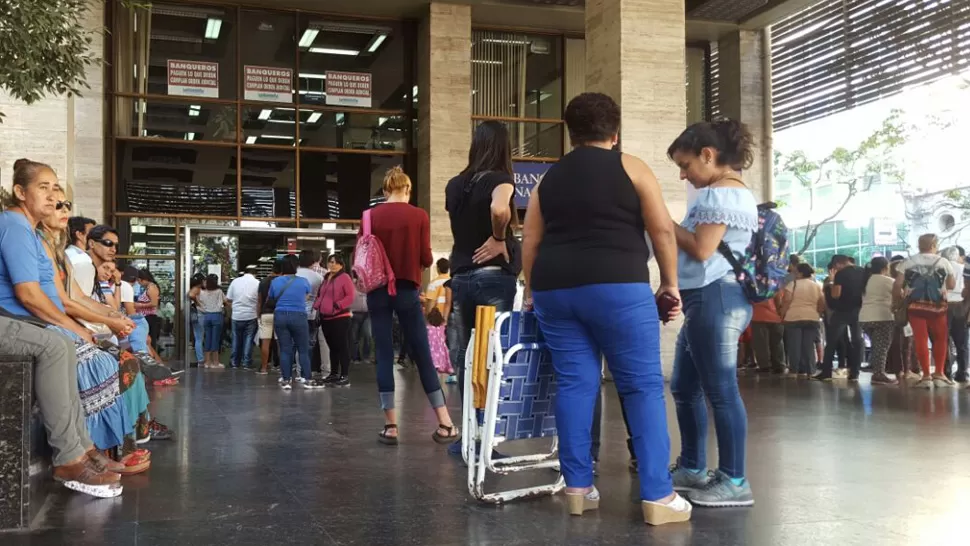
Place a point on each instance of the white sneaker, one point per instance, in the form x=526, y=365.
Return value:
x=942, y=382
x=913, y=376
x=300, y=380
x=925, y=383
x=286, y=385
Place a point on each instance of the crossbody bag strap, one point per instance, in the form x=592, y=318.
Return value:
x=285, y=286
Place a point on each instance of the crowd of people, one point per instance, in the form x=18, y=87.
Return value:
x=902, y=306
x=299, y=314
x=74, y=311
x=66, y=305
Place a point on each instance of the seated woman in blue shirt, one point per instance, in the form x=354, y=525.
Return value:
x=291, y=293
x=716, y=310
x=28, y=288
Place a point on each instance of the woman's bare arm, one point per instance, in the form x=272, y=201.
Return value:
x=532, y=231
x=656, y=218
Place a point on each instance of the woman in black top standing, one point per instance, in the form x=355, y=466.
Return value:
x=486, y=259
x=597, y=203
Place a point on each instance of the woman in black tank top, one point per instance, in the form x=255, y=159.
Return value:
x=595, y=205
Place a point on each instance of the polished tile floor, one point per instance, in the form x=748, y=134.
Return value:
x=829, y=463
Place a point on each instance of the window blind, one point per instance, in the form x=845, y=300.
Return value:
x=839, y=54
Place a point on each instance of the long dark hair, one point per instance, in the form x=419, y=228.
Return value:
x=491, y=149
x=146, y=275
x=874, y=266
x=212, y=282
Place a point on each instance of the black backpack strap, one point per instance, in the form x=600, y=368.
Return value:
x=729, y=256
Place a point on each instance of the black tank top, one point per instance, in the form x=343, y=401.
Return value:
x=594, y=231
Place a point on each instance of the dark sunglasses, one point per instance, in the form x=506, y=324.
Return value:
x=106, y=243
x=62, y=204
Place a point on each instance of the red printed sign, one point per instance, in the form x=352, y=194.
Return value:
x=268, y=83
x=349, y=89
x=193, y=78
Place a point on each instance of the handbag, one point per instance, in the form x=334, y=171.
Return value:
x=97, y=328
x=901, y=314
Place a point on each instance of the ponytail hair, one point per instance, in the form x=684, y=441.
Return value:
x=874, y=267
x=730, y=137
x=396, y=180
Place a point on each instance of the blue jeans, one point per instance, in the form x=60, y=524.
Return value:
x=706, y=362
x=361, y=338
x=293, y=336
x=212, y=324
x=410, y=315
x=198, y=334
x=138, y=338
x=487, y=286
x=243, y=333
x=620, y=322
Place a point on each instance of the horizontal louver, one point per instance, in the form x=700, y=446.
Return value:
x=840, y=54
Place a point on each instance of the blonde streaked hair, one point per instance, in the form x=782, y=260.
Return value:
x=396, y=180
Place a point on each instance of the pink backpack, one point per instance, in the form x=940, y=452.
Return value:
x=371, y=269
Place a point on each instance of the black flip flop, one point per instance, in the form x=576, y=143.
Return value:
x=447, y=438
x=383, y=438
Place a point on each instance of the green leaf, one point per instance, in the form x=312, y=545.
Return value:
x=45, y=49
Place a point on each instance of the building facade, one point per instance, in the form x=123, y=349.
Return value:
x=280, y=118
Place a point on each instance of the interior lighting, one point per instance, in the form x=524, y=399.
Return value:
x=309, y=35
x=376, y=42
x=213, y=27
x=335, y=51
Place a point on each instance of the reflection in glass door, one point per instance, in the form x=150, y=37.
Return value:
x=229, y=251
x=165, y=275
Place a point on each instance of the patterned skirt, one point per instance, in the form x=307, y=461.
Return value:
x=437, y=339
x=97, y=381
x=132, y=386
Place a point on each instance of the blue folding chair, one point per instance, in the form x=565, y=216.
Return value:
x=519, y=405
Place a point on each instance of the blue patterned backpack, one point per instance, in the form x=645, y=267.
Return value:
x=762, y=269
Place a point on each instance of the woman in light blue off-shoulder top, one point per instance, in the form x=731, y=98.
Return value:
x=722, y=219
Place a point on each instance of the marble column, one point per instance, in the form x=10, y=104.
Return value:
x=444, y=110
x=635, y=53
x=745, y=97
x=16, y=385
x=66, y=132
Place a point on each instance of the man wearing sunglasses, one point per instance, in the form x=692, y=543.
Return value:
x=102, y=244
x=78, y=228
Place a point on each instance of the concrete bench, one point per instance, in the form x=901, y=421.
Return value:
x=25, y=456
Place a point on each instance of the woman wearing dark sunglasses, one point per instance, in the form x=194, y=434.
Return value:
x=31, y=287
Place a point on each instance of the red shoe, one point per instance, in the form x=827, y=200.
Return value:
x=136, y=463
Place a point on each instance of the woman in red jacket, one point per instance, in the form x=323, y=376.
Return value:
x=333, y=303
x=405, y=232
